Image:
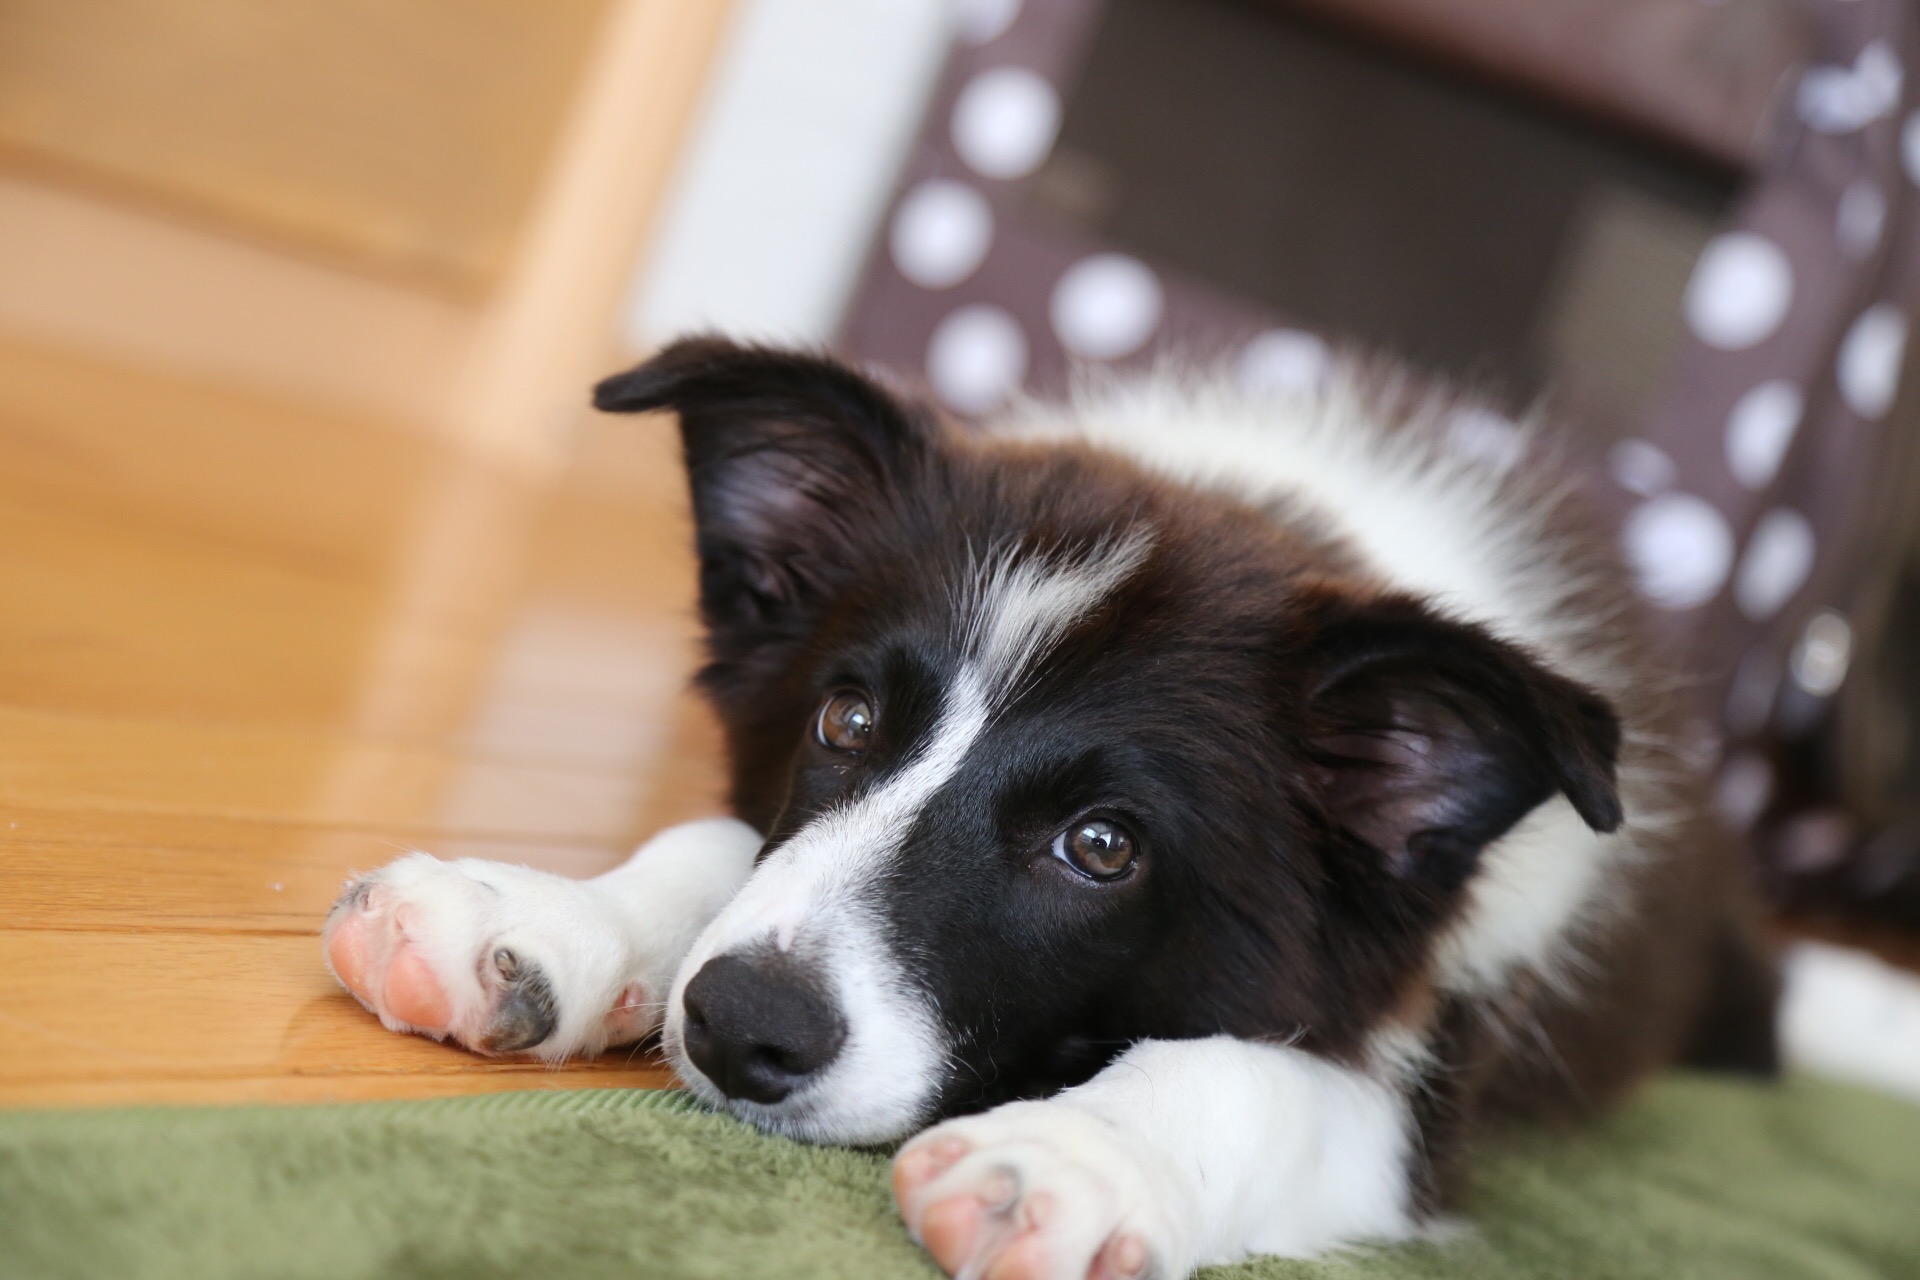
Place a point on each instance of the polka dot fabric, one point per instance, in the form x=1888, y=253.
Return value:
x=971, y=293
x=1748, y=501
x=1787, y=419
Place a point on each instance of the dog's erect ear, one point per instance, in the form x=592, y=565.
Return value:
x=1428, y=739
x=788, y=455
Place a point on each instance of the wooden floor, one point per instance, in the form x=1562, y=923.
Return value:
x=245, y=649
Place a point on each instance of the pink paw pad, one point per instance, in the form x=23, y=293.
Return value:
x=433, y=947
x=408, y=991
x=989, y=1225
x=631, y=1017
x=414, y=995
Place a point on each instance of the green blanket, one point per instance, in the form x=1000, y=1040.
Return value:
x=1699, y=1178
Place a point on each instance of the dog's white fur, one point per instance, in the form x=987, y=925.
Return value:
x=604, y=944
x=1208, y=1150
x=1847, y=1015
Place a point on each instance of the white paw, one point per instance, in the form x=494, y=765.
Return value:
x=498, y=958
x=1038, y=1191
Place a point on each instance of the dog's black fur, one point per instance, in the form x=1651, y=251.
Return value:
x=1311, y=763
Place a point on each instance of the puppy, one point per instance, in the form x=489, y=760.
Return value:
x=1207, y=814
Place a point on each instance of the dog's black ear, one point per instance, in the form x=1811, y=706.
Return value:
x=788, y=454
x=1428, y=739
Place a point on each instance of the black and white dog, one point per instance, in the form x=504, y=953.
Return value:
x=1205, y=813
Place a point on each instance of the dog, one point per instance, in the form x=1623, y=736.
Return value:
x=1188, y=819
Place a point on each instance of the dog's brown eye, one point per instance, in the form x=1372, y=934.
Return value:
x=1096, y=847
x=846, y=721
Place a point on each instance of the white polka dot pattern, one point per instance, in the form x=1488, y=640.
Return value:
x=1843, y=99
x=1642, y=468
x=1746, y=784
x=941, y=233
x=1759, y=430
x=1282, y=362
x=1004, y=122
x=1106, y=306
x=1870, y=355
x=1861, y=216
x=1680, y=549
x=1778, y=559
x=1740, y=291
x=983, y=21
x=1823, y=654
x=976, y=358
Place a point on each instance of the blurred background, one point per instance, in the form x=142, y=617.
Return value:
x=312, y=551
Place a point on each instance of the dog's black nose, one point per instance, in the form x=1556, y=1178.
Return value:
x=758, y=1029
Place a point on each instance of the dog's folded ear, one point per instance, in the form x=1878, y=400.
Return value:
x=1428, y=739
x=789, y=456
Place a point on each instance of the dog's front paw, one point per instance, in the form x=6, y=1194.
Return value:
x=500, y=959
x=1038, y=1191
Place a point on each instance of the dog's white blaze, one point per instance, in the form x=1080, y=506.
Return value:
x=837, y=853
x=1017, y=607
x=814, y=894
x=832, y=859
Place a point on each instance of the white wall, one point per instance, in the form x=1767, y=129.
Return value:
x=787, y=171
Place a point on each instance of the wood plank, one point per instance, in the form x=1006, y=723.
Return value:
x=88, y=1009
x=173, y=873
x=404, y=137
x=235, y=559
x=246, y=472
x=74, y=761
x=79, y=271
x=641, y=1072
x=113, y=622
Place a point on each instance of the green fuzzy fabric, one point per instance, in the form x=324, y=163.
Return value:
x=1697, y=1178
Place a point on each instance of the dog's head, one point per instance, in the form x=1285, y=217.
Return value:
x=1053, y=755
